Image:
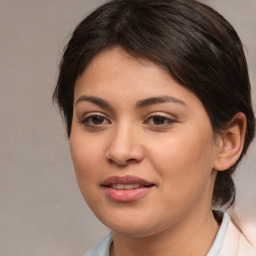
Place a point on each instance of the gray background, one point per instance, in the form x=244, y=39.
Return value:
x=41, y=209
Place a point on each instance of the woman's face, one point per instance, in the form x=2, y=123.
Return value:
x=142, y=146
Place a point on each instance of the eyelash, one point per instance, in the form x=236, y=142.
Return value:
x=88, y=120
x=167, y=121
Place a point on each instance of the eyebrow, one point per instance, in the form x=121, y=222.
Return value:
x=95, y=100
x=158, y=100
x=140, y=104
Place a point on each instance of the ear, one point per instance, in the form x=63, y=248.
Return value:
x=231, y=143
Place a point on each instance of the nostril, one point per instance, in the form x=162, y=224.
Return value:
x=132, y=160
x=122, y=163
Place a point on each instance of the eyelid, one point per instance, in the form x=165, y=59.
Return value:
x=161, y=114
x=170, y=120
x=87, y=116
x=93, y=113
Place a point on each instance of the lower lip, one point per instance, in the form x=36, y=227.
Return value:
x=126, y=195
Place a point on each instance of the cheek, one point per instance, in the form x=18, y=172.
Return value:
x=85, y=156
x=184, y=161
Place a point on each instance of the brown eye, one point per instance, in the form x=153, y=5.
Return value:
x=159, y=120
x=95, y=120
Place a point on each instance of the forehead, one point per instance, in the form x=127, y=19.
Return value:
x=116, y=67
x=114, y=73
x=121, y=63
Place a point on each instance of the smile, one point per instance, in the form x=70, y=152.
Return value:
x=126, y=188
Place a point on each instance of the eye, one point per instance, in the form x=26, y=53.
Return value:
x=158, y=120
x=95, y=120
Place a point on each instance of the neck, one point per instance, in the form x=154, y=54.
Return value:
x=193, y=236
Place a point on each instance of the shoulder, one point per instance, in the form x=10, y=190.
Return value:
x=102, y=247
x=236, y=243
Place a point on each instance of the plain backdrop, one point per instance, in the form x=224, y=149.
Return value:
x=41, y=210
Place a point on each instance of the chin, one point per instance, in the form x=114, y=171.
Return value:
x=134, y=228
x=134, y=232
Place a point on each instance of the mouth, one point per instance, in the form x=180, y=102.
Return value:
x=126, y=182
x=126, y=188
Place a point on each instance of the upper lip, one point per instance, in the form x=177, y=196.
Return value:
x=128, y=179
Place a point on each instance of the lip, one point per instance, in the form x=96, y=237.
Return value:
x=128, y=179
x=126, y=195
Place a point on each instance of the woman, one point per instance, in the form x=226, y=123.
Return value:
x=156, y=99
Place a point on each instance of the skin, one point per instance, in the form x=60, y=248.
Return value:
x=177, y=153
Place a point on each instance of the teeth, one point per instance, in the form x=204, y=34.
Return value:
x=120, y=186
x=125, y=186
x=136, y=185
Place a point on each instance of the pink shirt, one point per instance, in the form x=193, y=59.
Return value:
x=230, y=241
x=235, y=242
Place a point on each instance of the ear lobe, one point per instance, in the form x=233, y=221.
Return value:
x=231, y=143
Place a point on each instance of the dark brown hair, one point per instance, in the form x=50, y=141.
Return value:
x=198, y=47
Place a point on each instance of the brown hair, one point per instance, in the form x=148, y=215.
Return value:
x=199, y=48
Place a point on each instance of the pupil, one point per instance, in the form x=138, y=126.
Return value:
x=158, y=120
x=97, y=119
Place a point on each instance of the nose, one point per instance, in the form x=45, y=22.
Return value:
x=124, y=147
